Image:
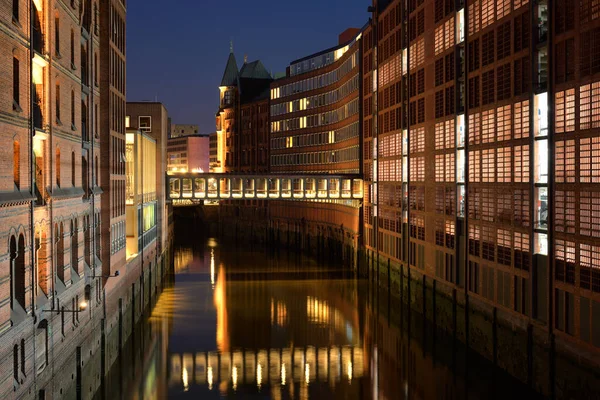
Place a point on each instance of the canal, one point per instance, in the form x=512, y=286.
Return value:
x=243, y=321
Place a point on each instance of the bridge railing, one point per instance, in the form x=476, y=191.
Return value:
x=207, y=186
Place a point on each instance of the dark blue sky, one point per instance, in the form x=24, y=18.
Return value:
x=177, y=49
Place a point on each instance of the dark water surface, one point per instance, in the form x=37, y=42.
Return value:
x=244, y=322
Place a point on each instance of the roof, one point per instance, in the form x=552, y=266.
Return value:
x=230, y=75
x=254, y=70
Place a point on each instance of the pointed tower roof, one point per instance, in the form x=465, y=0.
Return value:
x=230, y=76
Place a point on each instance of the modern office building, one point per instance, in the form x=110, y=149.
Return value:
x=315, y=111
x=141, y=204
x=242, y=119
x=178, y=130
x=152, y=119
x=188, y=153
x=481, y=159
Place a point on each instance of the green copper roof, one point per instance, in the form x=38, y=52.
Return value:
x=254, y=70
x=230, y=77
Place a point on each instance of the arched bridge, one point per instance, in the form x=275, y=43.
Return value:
x=190, y=188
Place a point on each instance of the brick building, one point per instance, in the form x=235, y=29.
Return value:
x=480, y=140
x=243, y=118
x=49, y=202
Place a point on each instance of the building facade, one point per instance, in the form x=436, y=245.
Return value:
x=152, y=119
x=178, y=130
x=480, y=164
x=188, y=153
x=112, y=130
x=49, y=201
x=243, y=118
x=213, y=151
x=315, y=112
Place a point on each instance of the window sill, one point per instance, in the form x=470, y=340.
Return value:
x=16, y=22
x=73, y=127
x=57, y=55
x=17, y=107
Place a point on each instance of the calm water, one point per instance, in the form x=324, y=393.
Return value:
x=242, y=322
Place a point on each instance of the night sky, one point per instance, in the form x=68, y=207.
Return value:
x=177, y=49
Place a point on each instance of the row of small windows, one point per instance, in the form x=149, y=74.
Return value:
x=319, y=100
x=310, y=121
x=318, y=157
x=316, y=82
x=117, y=236
x=315, y=139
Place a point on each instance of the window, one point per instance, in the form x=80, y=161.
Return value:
x=503, y=82
x=72, y=49
x=565, y=161
x=589, y=160
x=589, y=106
x=17, y=164
x=487, y=48
x=521, y=168
x=15, y=10
x=487, y=83
x=565, y=211
x=73, y=109
x=16, y=84
x=57, y=101
x=56, y=35
x=127, y=121
x=72, y=168
x=57, y=166
x=145, y=123
x=565, y=111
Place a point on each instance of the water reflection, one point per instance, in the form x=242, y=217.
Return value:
x=244, y=323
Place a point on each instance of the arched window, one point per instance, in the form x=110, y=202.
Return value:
x=17, y=164
x=72, y=168
x=88, y=241
x=57, y=101
x=75, y=245
x=42, y=262
x=23, y=356
x=72, y=109
x=84, y=175
x=96, y=173
x=57, y=161
x=97, y=238
x=72, y=49
x=16, y=362
x=17, y=271
x=60, y=251
x=56, y=34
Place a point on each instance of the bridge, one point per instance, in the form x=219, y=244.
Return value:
x=191, y=188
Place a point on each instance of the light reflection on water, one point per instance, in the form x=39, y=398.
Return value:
x=242, y=323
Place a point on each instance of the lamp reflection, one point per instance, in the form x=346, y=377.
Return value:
x=283, y=374
x=212, y=268
x=259, y=376
x=220, y=302
x=184, y=377
x=210, y=378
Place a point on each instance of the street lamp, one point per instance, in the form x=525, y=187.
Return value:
x=106, y=276
x=82, y=306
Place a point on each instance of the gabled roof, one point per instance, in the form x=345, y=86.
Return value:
x=254, y=70
x=230, y=76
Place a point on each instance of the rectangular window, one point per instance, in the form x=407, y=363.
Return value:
x=16, y=84
x=145, y=123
